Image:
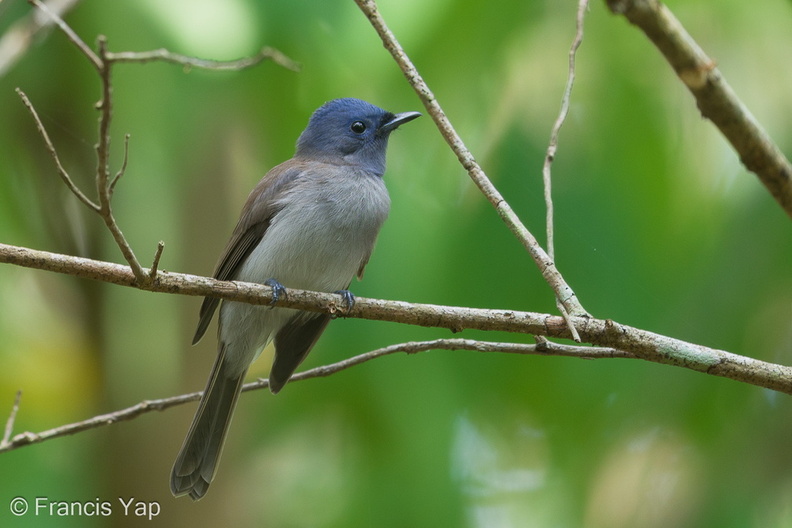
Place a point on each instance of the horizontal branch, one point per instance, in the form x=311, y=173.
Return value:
x=164, y=55
x=640, y=343
x=10, y=443
x=714, y=97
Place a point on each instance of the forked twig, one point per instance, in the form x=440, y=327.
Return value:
x=103, y=61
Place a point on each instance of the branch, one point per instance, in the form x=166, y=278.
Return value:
x=639, y=343
x=16, y=41
x=69, y=32
x=146, y=406
x=715, y=98
x=164, y=55
x=546, y=265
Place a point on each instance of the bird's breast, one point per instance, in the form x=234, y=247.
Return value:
x=326, y=227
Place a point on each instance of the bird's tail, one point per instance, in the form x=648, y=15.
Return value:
x=196, y=463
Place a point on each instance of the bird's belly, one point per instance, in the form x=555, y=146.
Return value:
x=320, y=242
x=316, y=257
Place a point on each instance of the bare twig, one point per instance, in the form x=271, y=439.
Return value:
x=546, y=265
x=152, y=273
x=69, y=32
x=552, y=147
x=147, y=406
x=9, y=427
x=715, y=98
x=641, y=343
x=164, y=55
x=122, y=170
x=15, y=41
x=51, y=149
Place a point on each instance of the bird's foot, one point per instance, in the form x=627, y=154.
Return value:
x=277, y=290
x=349, y=300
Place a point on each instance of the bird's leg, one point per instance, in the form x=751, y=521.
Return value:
x=277, y=290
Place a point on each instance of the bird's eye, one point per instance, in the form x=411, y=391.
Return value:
x=358, y=127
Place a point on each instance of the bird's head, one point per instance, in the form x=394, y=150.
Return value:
x=350, y=131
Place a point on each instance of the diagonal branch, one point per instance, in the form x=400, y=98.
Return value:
x=18, y=38
x=69, y=32
x=51, y=149
x=714, y=97
x=546, y=265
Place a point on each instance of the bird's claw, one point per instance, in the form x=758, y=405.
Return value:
x=349, y=301
x=277, y=290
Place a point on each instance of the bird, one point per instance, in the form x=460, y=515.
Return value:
x=310, y=223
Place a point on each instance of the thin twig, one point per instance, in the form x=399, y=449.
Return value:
x=18, y=38
x=147, y=406
x=152, y=273
x=70, y=34
x=715, y=98
x=9, y=427
x=122, y=170
x=552, y=147
x=164, y=55
x=546, y=266
x=51, y=149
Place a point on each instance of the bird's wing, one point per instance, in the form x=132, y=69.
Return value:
x=262, y=204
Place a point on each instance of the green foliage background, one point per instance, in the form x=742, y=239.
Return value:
x=657, y=226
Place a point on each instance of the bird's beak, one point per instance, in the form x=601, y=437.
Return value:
x=398, y=119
